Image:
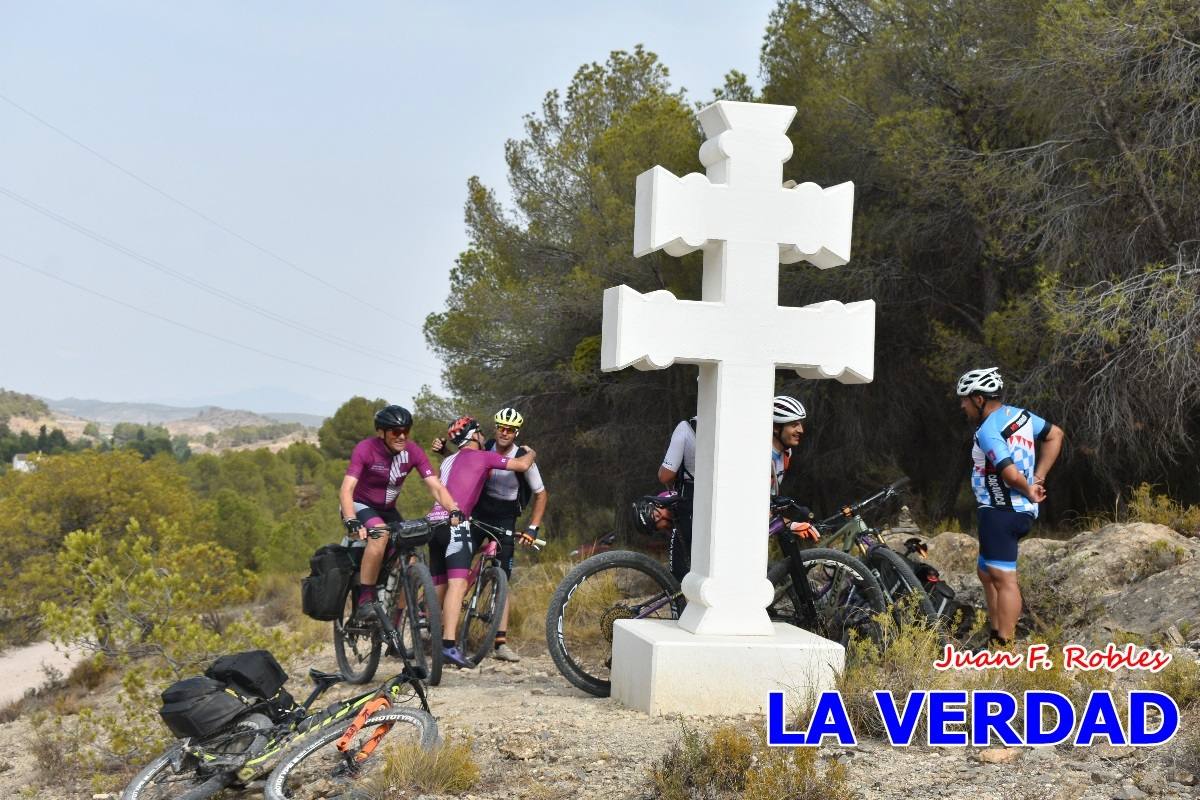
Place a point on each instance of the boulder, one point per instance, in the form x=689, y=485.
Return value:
x=952, y=551
x=1152, y=606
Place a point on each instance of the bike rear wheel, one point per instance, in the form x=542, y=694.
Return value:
x=421, y=628
x=483, y=611
x=846, y=596
x=179, y=775
x=316, y=769
x=901, y=587
x=356, y=643
x=619, y=584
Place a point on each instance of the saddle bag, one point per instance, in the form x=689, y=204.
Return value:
x=255, y=673
x=200, y=706
x=323, y=592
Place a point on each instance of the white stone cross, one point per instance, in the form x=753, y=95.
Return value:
x=747, y=224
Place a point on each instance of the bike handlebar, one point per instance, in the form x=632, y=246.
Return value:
x=852, y=509
x=493, y=530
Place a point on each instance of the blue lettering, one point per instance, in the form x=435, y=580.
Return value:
x=1139, y=701
x=776, y=735
x=1035, y=731
x=900, y=727
x=940, y=716
x=1100, y=718
x=829, y=718
x=984, y=720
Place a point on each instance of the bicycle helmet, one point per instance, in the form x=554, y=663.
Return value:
x=646, y=521
x=393, y=417
x=510, y=417
x=461, y=430
x=986, y=381
x=787, y=409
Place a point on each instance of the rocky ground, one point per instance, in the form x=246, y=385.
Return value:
x=534, y=736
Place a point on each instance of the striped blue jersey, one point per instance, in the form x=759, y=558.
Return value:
x=1006, y=437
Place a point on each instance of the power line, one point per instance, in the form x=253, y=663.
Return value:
x=269, y=253
x=198, y=284
x=187, y=327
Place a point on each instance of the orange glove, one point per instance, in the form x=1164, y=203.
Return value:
x=804, y=530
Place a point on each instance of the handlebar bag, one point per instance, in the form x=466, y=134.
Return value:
x=199, y=706
x=413, y=532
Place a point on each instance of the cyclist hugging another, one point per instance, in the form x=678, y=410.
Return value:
x=367, y=498
x=453, y=545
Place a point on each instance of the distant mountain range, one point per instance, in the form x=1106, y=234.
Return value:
x=110, y=413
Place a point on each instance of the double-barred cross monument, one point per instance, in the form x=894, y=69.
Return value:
x=747, y=223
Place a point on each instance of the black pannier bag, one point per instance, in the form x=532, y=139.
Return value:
x=255, y=673
x=199, y=707
x=323, y=592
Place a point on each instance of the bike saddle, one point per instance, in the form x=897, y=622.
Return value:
x=324, y=679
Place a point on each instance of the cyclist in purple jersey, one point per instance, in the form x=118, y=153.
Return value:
x=450, y=552
x=378, y=467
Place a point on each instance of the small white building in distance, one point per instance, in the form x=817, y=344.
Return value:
x=21, y=463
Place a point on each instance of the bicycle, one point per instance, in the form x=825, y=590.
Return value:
x=487, y=592
x=358, y=643
x=838, y=595
x=901, y=587
x=196, y=769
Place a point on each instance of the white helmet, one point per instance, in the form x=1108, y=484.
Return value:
x=986, y=381
x=787, y=409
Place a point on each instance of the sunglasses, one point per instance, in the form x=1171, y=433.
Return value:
x=398, y=431
x=506, y=429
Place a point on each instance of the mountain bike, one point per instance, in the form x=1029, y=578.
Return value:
x=904, y=591
x=405, y=590
x=838, y=595
x=487, y=592
x=196, y=769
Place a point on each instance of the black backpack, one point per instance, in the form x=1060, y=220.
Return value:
x=199, y=706
x=323, y=592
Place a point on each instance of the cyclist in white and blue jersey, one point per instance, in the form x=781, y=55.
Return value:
x=1013, y=450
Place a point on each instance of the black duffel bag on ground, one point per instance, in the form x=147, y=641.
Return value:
x=199, y=706
x=255, y=673
x=323, y=592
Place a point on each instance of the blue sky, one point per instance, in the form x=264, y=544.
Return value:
x=336, y=137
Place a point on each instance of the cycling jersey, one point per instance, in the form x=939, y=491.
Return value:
x=464, y=474
x=1006, y=437
x=506, y=492
x=381, y=473
x=779, y=466
x=681, y=452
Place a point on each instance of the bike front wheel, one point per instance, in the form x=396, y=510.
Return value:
x=315, y=768
x=421, y=623
x=619, y=584
x=901, y=587
x=356, y=643
x=845, y=596
x=482, y=614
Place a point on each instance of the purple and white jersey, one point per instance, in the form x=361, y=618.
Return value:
x=381, y=473
x=464, y=475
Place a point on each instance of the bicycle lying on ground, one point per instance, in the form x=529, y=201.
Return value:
x=198, y=768
x=837, y=596
x=406, y=592
x=487, y=592
x=847, y=531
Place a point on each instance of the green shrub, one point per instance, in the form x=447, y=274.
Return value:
x=1145, y=505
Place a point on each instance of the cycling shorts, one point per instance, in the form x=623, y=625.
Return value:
x=1000, y=530
x=375, y=517
x=451, y=550
x=508, y=544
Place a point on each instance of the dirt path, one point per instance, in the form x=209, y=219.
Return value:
x=25, y=668
x=534, y=736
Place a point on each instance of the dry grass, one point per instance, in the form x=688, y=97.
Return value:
x=449, y=768
x=532, y=587
x=1145, y=505
x=1181, y=680
x=728, y=763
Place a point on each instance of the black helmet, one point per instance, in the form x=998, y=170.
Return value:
x=392, y=417
x=646, y=521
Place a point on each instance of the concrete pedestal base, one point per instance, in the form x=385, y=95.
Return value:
x=660, y=668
